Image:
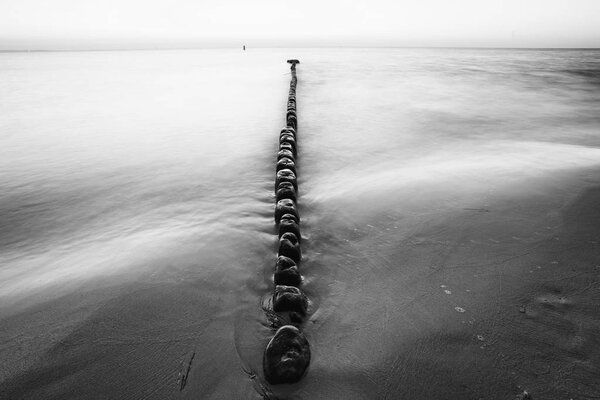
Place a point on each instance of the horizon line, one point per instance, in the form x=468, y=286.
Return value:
x=36, y=50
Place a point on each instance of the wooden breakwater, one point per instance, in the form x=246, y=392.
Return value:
x=287, y=355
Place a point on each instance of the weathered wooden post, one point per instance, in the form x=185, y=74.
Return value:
x=287, y=355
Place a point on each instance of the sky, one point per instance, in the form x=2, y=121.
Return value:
x=86, y=24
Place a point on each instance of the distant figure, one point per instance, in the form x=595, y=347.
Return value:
x=244, y=47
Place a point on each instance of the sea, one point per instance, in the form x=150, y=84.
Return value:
x=449, y=204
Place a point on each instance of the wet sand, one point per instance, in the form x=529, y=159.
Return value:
x=481, y=302
x=474, y=302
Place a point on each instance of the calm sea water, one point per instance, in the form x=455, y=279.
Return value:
x=136, y=212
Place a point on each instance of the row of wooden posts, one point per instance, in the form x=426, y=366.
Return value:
x=287, y=355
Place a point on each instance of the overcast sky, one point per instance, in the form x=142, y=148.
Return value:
x=63, y=24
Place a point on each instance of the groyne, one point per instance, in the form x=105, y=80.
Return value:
x=287, y=355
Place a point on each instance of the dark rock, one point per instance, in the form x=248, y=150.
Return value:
x=291, y=217
x=288, y=129
x=288, y=132
x=291, y=134
x=289, y=140
x=286, y=357
x=289, y=225
x=292, y=121
x=289, y=246
x=289, y=299
x=295, y=318
x=287, y=137
x=287, y=146
x=292, y=144
x=285, y=206
x=286, y=163
x=285, y=153
x=286, y=190
x=286, y=175
x=288, y=277
x=284, y=262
